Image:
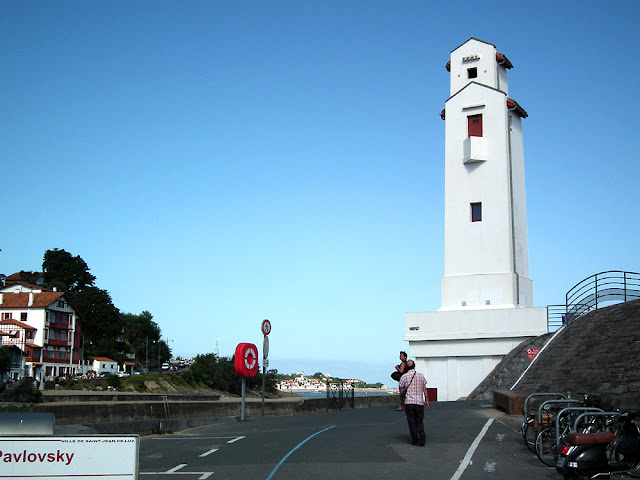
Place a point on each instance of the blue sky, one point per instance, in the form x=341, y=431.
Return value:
x=218, y=163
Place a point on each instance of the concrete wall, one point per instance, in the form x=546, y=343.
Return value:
x=457, y=349
x=148, y=416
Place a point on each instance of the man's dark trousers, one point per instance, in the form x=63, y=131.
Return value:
x=415, y=419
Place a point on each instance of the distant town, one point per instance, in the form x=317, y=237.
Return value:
x=318, y=382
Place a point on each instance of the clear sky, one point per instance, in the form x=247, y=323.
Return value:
x=218, y=163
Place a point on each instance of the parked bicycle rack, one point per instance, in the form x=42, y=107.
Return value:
x=573, y=409
x=533, y=395
x=597, y=414
x=554, y=402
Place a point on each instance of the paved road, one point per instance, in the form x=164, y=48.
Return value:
x=465, y=440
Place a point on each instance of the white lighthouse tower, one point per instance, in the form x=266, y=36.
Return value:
x=487, y=295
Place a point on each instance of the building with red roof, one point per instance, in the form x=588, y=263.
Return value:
x=43, y=329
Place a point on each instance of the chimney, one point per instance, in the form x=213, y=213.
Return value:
x=55, y=289
x=30, y=299
x=1, y=298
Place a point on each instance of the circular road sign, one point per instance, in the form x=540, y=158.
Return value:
x=266, y=327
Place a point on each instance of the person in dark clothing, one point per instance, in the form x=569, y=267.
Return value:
x=402, y=369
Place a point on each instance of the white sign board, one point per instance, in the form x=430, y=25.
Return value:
x=265, y=347
x=55, y=458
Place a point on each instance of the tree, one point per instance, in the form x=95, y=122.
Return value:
x=220, y=374
x=142, y=335
x=103, y=328
x=30, y=277
x=5, y=360
x=68, y=273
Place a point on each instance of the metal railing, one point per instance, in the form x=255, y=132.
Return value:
x=340, y=395
x=555, y=317
x=599, y=290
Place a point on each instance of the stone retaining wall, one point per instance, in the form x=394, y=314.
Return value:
x=145, y=417
x=598, y=354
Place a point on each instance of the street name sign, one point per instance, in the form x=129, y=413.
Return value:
x=56, y=458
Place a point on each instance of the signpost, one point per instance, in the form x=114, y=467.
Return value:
x=246, y=365
x=266, y=330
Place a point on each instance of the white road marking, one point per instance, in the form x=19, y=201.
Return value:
x=236, y=439
x=466, y=461
x=213, y=450
x=174, y=469
x=490, y=467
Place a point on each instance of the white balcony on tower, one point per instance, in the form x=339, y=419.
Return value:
x=474, y=149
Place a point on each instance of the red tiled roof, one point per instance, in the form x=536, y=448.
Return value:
x=32, y=345
x=21, y=300
x=130, y=363
x=11, y=321
x=17, y=276
x=8, y=283
x=103, y=359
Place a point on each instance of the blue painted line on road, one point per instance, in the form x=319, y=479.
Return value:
x=296, y=448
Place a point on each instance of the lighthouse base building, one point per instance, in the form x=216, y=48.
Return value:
x=456, y=350
x=487, y=295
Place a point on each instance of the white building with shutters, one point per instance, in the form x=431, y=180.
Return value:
x=487, y=295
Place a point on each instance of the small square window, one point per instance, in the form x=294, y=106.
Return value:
x=476, y=212
x=472, y=72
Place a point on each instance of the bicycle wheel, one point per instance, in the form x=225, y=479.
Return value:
x=546, y=446
x=529, y=436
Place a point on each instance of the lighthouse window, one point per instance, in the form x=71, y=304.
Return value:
x=476, y=212
x=472, y=72
x=474, y=125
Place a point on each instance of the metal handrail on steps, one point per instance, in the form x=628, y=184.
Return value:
x=599, y=290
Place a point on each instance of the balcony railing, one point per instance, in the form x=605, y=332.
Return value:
x=59, y=342
x=62, y=326
x=66, y=359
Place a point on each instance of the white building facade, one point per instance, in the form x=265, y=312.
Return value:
x=487, y=295
x=44, y=327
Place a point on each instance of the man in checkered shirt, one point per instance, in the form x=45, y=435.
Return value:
x=414, y=386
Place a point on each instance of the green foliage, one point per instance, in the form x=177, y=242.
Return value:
x=78, y=384
x=68, y=273
x=114, y=381
x=103, y=326
x=23, y=392
x=220, y=374
x=143, y=338
x=29, y=277
x=5, y=360
x=137, y=382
